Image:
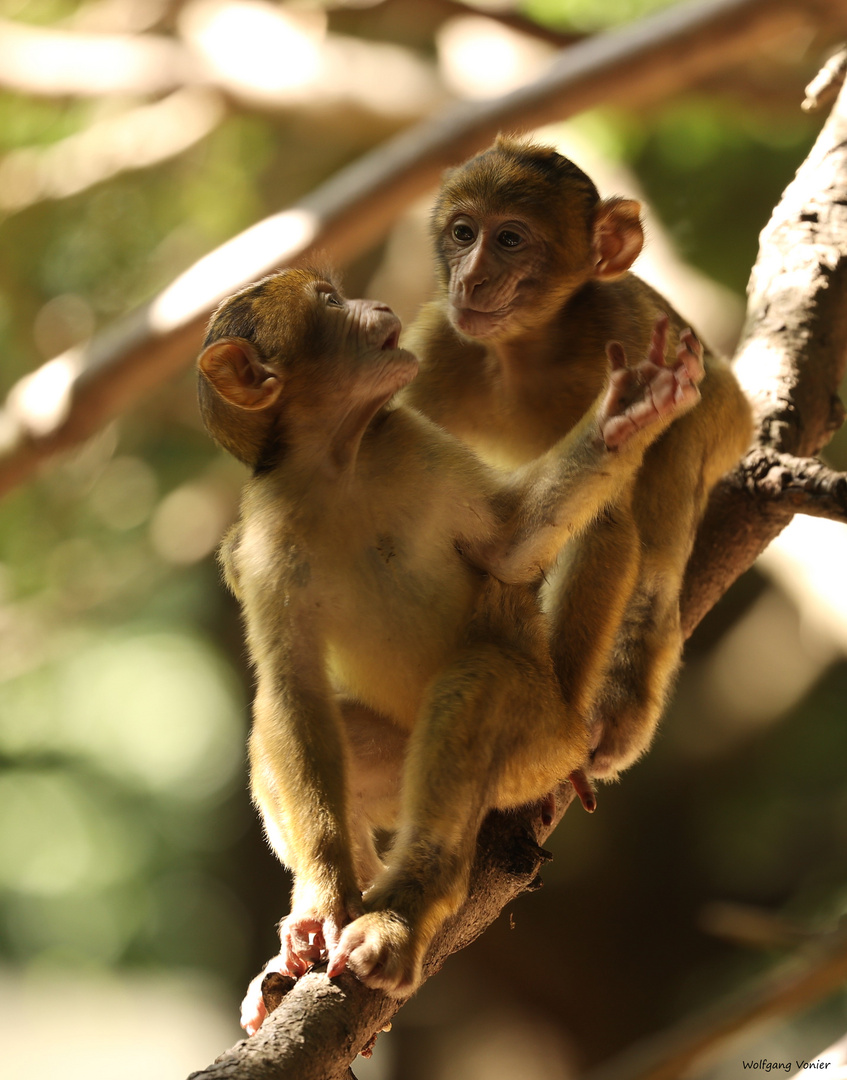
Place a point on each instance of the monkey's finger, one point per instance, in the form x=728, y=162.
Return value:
x=690, y=355
x=659, y=341
x=337, y=962
x=584, y=789
x=252, y=1015
x=616, y=354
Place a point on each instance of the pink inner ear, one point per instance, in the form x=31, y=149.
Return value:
x=239, y=376
x=618, y=236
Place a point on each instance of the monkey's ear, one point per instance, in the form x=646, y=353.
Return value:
x=618, y=237
x=233, y=367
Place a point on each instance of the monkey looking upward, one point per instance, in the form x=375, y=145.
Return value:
x=534, y=278
x=388, y=580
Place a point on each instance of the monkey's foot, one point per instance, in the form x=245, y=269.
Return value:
x=253, y=1010
x=305, y=939
x=382, y=950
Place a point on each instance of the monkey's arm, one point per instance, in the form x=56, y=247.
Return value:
x=562, y=491
x=298, y=771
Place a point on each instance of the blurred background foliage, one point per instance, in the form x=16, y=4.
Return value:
x=135, y=888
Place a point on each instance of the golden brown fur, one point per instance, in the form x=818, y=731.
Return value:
x=388, y=580
x=534, y=280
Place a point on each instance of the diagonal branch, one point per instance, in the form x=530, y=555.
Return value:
x=76, y=394
x=791, y=361
x=812, y=974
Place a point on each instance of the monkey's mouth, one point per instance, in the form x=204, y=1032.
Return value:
x=478, y=323
x=392, y=341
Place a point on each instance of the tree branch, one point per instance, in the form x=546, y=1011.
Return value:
x=319, y=1026
x=791, y=359
x=795, y=485
x=76, y=394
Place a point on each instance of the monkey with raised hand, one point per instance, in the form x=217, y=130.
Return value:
x=388, y=580
x=534, y=280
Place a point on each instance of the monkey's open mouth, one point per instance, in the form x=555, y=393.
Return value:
x=392, y=341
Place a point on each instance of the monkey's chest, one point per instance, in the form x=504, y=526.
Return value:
x=393, y=620
x=509, y=426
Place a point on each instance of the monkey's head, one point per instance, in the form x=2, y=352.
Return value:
x=290, y=352
x=519, y=229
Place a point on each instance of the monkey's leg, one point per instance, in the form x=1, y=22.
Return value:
x=375, y=764
x=444, y=797
x=492, y=733
x=587, y=598
x=668, y=501
x=644, y=663
x=377, y=751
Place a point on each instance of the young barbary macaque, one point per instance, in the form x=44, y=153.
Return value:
x=388, y=580
x=534, y=280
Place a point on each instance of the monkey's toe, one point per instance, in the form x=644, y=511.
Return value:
x=379, y=948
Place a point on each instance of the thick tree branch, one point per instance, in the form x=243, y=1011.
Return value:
x=320, y=1026
x=82, y=390
x=791, y=359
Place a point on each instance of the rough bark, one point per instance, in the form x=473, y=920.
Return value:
x=318, y=1027
x=790, y=361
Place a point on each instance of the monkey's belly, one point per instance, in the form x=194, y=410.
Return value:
x=390, y=671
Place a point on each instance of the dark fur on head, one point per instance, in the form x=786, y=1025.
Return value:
x=517, y=176
x=272, y=315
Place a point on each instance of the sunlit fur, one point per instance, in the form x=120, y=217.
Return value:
x=512, y=382
x=388, y=580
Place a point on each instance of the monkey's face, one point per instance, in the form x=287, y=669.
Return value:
x=498, y=273
x=517, y=234
x=293, y=349
x=356, y=351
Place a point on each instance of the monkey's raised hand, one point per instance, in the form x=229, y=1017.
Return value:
x=652, y=390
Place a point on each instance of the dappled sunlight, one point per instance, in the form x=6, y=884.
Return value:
x=153, y=710
x=44, y=61
x=188, y=523
x=124, y=494
x=256, y=46
x=134, y=1028
x=480, y=58
x=40, y=402
x=809, y=562
x=270, y=242
x=54, y=837
x=766, y=664
x=760, y=669
x=271, y=56
x=133, y=139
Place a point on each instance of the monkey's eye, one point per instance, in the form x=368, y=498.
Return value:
x=462, y=232
x=333, y=300
x=509, y=239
